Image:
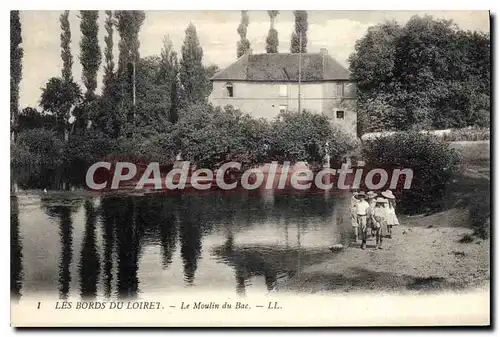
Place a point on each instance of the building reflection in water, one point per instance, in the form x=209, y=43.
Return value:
x=274, y=262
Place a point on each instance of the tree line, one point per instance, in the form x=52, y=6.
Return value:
x=164, y=84
x=150, y=108
x=425, y=74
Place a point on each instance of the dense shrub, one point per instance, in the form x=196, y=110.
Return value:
x=36, y=157
x=303, y=137
x=208, y=136
x=204, y=135
x=432, y=162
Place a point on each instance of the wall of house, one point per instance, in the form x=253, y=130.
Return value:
x=264, y=99
x=333, y=103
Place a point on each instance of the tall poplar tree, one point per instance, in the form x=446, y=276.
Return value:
x=272, y=41
x=90, y=52
x=109, y=64
x=192, y=73
x=67, y=57
x=128, y=25
x=169, y=71
x=110, y=118
x=16, y=55
x=243, y=44
x=300, y=29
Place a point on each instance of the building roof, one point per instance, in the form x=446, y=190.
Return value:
x=283, y=68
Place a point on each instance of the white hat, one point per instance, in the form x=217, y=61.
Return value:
x=388, y=194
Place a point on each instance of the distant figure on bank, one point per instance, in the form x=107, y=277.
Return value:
x=362, y=209
x=379, y=220
x=392, y=219
x=371, y=201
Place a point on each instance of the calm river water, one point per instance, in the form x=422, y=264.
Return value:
x=67, y=244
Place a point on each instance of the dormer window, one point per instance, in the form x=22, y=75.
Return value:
x=229, y=89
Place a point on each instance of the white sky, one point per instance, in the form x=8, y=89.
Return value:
x=335, y=30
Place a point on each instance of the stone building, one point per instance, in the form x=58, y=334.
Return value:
x=263, y=85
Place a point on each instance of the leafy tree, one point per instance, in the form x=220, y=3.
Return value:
x=58, y=97
x=90, y=52
x=301, y=26
x=272, y=41
x=243, y=44
x=426, y=74
x=67, y=57
x=192, y=73
x=16, y=55
x=152, y=97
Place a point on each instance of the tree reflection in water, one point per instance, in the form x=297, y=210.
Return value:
x=158, y=225
x=89, y=265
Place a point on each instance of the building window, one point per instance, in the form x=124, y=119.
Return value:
x=283, y=108
x=340, y=90
x=339, y=114
x=230, y=89
x=283, y=90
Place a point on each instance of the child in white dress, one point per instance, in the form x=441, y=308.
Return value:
x=392, y=219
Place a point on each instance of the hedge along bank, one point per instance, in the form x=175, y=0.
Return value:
x=103, y=176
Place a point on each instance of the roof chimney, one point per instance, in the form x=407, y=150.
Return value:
x=324, y=53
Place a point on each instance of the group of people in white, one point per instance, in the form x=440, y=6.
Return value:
x=373, y=214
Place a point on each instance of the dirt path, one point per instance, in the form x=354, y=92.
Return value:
x=424, y=254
